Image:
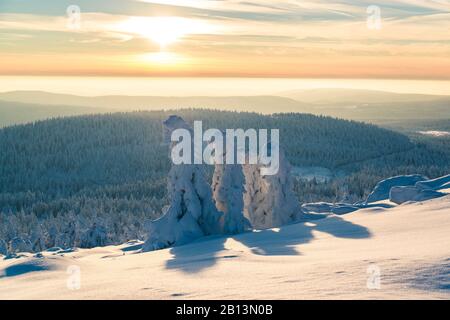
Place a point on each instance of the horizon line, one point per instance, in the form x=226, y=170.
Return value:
x=225, y=76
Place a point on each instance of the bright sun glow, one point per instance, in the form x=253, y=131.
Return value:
x=162, y=30
x=162, y=57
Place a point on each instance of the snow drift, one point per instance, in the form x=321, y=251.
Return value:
x=382, y=189
x=398, y=190
x=435, y=184
x=401, y=195
x=421, y=191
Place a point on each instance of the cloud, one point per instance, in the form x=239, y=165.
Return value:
x=233, y=35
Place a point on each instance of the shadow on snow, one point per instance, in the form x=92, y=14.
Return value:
x=204, y=253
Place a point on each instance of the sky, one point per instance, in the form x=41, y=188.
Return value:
x=227, y=38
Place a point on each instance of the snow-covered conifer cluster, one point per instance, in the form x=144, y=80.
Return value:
x=239, y=199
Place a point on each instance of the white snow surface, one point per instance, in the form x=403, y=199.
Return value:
x=401, y=195
x=435, y=133
x=382, y=189
x=329, y=258
x=436, y=184
x=421, y=191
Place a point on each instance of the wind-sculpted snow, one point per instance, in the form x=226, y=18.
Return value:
x=382, y=189
x=402, y=189
x=421, y=191
x=398, y=192
x=435, y=184
x=401, y=195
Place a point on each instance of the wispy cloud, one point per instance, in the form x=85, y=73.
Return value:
x=264, y=37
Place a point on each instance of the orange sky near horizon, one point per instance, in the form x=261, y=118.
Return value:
x=292, y=39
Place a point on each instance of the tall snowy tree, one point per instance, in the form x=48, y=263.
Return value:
x=19, y=244
x=228, y=191
x=3, y=248
x=37, y=238
x=67, y=235
x=269, y=200
x=95, y=236
x=192, y=212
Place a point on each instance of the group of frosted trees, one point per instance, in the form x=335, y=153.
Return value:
x=239, y=199
x=81, y=221
x=61, y=178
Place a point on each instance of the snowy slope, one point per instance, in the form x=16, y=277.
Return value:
x=328, y=258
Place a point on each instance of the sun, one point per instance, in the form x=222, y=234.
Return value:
x=164, y=30
x=161, y=30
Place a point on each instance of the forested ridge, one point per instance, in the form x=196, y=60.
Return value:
x=94, y=180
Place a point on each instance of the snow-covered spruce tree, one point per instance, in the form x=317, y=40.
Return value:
x=96, y=236
x=3, y=248
x=269, y=201
x=20, y=244
x=37, y=238
x=192, y=212
x=228, y=191
x=66, y=236
x=52, y=234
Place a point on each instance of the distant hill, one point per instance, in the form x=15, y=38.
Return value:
x=351, y=96
x=388, y=113
x=262, y=104
x=12, y=113
x=26, y=106
x=405, y=112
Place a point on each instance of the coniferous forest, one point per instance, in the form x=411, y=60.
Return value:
x=94, y=180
